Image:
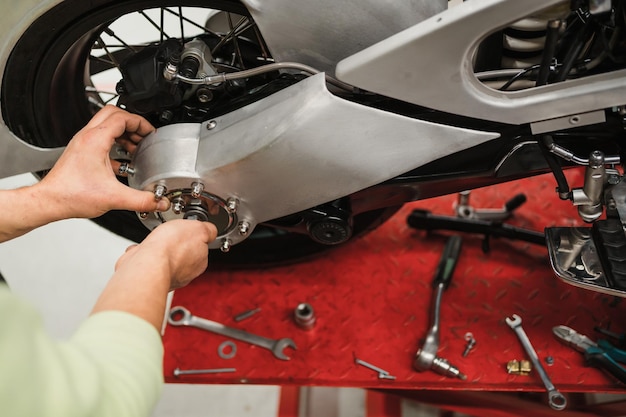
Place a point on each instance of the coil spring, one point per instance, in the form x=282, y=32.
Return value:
x=524, y=40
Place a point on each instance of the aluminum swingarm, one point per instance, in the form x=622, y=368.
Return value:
x=291, y=151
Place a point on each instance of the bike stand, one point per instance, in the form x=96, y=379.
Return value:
x=486, y=222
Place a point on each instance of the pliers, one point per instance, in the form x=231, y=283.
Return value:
x=600, y=355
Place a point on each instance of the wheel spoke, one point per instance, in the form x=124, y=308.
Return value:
x=153, y=23
x=108, y=53
x=259, y=39
x=235, y=42
x=191, y=22
x=112, y=34
x=180, y=19
x=227, y=37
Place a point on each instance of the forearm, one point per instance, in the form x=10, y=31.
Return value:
x=139, y=288
x=24, y=209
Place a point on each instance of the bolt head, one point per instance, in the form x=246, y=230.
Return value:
x=159, y=191
x=197, y=189
x=231, y=205
x=225, y=246
x=211, y=125
x=143, y=215
x=178, y=206
x=244, y=228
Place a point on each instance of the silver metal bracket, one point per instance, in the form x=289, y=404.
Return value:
x=593, y=257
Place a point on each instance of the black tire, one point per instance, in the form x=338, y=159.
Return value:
x=44, y=102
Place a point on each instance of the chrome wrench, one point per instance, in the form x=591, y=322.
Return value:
x=180, y=316
x=556, y=400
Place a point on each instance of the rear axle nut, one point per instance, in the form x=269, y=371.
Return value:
x=304, y=316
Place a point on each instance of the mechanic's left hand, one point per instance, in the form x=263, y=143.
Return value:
x=83, y=183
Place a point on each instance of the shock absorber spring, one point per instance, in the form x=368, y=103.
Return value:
x=523, y=41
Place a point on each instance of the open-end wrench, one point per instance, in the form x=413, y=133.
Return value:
x=180, y=316
x=556, y=400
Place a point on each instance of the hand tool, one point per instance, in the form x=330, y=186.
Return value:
x=556, y=400
x=426, y=357
x=601, y=355
x=620, y=338
x=304, y=316
x=180, y=316
x=382, y=374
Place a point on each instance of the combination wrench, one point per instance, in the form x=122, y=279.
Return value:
x=556, y=400
x=180, y=316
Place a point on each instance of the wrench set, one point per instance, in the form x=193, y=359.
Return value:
x=426, y=358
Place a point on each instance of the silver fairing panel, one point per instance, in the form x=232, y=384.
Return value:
x=321, y=33
x=430, y=64
x=292, y=151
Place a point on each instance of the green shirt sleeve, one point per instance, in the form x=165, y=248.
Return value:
x=111, y=366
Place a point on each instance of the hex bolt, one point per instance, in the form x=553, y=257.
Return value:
x=231, y=205
x=244, y=228
x=143, y=215
x=197, y=189
x=211, y=125
x=225, y=245
x=178, y=206
x=159, y=191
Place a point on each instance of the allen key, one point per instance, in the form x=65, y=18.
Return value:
x=382, y=374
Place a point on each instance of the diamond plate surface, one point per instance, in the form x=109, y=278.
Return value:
x=372, y=297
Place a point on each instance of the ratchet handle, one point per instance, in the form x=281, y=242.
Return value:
x=447, y=263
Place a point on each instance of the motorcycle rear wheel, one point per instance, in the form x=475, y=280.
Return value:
x=48, y=94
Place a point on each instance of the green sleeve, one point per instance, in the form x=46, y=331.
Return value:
x=112, y=365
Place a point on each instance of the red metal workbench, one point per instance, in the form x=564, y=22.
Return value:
x=372, y=299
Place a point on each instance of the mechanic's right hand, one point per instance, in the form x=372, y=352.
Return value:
x=180, y=247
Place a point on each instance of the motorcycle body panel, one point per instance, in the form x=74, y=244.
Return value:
x=321, y=33
x=408, y=66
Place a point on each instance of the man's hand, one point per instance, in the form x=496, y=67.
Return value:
x=170, y=257
x=178, y=249
x=83, y=184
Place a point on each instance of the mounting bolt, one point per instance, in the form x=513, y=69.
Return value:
x=159, y=191
x=244, y=228
x=143, y=215
x=178, y=206
x=197, y=189
x=204, y=95
x=211, y=125
x=231, y=205
x=225, y=245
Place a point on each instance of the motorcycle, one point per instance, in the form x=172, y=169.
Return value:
x=296, y=126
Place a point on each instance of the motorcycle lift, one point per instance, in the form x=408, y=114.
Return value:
x=371, y=300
